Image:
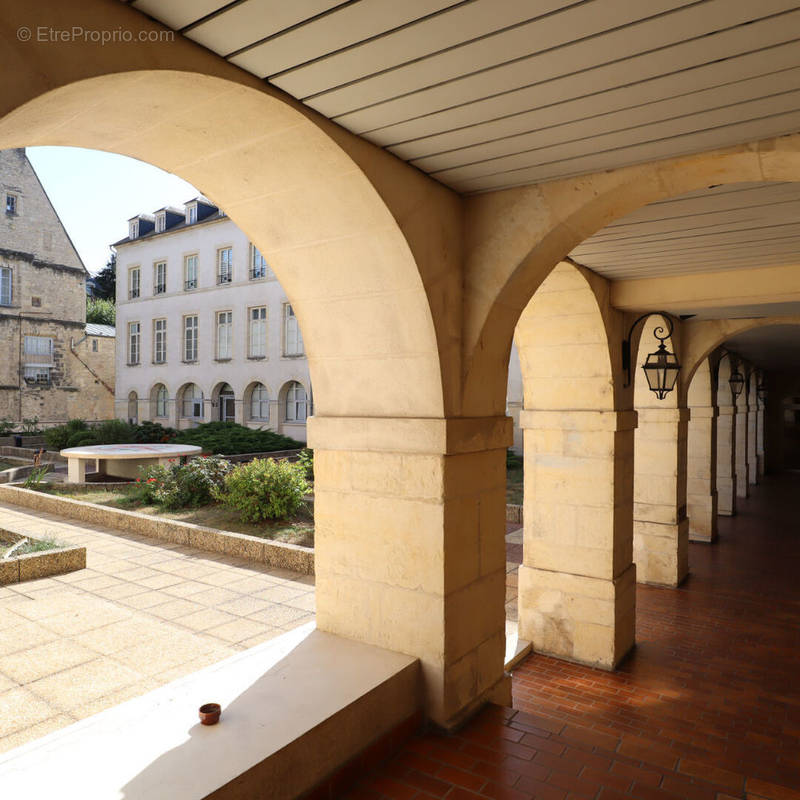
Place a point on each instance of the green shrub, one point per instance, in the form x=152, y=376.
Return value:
x=152, y=432
x=265, y=489
x=58, y=437
x=6, y=426
x=30, y=426
x=306, y=458
x=36, y=478
x=180, y=485
x=229, y=438
x=114, y=431
x=81, y=439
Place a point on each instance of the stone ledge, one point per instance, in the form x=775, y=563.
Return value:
x=30, y=566
x=424, y=435
x=293, y=710
x=275, y=554
x=577, y=420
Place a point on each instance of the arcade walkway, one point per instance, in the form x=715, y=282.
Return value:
x=707, y=707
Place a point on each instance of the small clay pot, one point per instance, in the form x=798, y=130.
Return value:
x=209, y=713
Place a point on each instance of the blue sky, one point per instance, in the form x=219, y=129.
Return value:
x=96, y=193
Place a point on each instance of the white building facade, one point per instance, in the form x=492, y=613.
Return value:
x=205, y=331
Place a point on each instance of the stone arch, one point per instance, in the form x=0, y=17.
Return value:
x=516, y=237
x=345, y=264
x=563, y=343
x=578, y=482
x=247, y=398
x=133, y=407
x=189, y=404
x=282, y=396
x=223, y=402
x=155, y=396
x=702, y=338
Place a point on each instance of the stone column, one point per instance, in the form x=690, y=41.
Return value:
x=701, y=478
x=760, y=441
x=742, y=447
x=726, y=460
x=752, y=424
x=660, y=524
x=410, y=547
x=577, y=591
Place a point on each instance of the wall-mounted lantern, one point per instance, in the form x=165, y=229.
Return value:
x=736, y=382
x=661, y=367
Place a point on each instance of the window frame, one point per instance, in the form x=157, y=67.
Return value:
x=262, y=402
x=264, y=325
x=133, y=294
x=195, y=329
x=159, y=287
x=290, y=317
x=130, y=340
x=291, y=397
x=14, y=197
x=190, y=283
x=196, y=402
x=160, y=347
x=160, y=400
x=9, y=282
x=227, y=275
x=221, y=355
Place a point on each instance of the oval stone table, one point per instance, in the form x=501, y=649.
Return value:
x=122, y=460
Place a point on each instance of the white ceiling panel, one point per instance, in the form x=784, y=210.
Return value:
x=366, y=22
x=229, y=32
x=178, y=14
x=490, y=94
x=726, y=227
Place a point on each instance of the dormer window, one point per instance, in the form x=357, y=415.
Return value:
x=133, y=229
x=11, y=204
x=191, y=215
x=161, y=222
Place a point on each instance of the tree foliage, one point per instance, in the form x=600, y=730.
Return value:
x=100, y=312
x=105, y=281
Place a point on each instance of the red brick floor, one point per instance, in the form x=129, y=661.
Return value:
x=707, y=706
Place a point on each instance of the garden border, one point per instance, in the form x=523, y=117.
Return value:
x=275, y=554
x=44, y=564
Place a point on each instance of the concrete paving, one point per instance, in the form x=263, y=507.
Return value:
x=142, y=614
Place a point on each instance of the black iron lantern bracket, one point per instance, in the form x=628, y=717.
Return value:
x=662, y=350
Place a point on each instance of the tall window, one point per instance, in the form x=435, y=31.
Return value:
x=11, y=204
x=225, y=265
x=259, y=402
x=38, y=353
x=159, y=341
x=133, y=407
x=162, y=401
x=190, y=338
x=134, y=282
x=159, y=277
x=190, y=272
x=292, y=338
x=191, y=215
x=134, y=340
x=6, y=286
x=224, y=336
x=258, y=264
x=161, y=223
x=192, y=405
x=133, y=229
x=257, y=336
x=295, y=403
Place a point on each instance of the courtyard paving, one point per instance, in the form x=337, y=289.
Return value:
x=142, y=614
